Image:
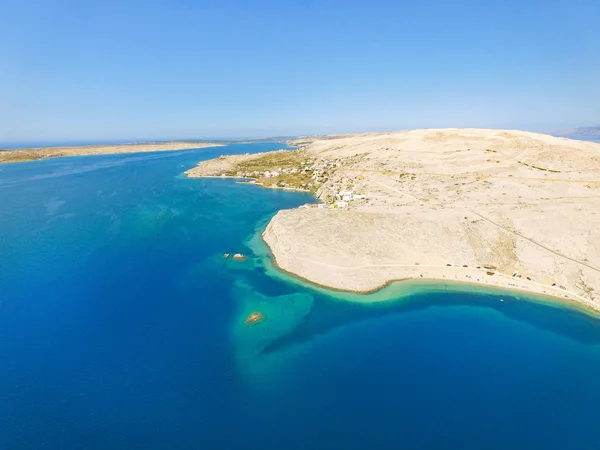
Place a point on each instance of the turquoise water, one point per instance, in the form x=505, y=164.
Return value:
x=122, y=326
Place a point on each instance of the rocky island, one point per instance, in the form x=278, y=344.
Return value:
x=253, y=318
x=510, y=209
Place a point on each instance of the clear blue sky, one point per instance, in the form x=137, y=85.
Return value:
x=73, y=70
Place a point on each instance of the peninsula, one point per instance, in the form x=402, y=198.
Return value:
x=509, y=209
x=32, y=154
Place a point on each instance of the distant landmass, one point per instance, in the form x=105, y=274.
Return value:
x=583, y=131
x=32, y=154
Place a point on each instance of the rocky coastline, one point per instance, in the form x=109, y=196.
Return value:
x=439, y=205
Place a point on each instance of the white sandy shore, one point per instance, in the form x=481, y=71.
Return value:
x=522, y=202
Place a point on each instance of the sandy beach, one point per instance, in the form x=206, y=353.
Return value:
x=507, y=209
x=32, y=154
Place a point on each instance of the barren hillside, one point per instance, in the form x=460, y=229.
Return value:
x=441, y=203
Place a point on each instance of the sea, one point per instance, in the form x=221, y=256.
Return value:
x=122, y=326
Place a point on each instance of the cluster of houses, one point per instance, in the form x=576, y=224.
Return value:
x=315, y=173
x=319, y=170
x=267, y=173
x=341, y=200
x=344, y=197
x=348, y=196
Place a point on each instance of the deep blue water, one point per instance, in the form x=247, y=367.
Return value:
x=121, y=326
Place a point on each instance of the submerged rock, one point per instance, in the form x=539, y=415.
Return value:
x=255, y=317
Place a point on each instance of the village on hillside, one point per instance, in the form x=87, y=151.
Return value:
x=293, y=170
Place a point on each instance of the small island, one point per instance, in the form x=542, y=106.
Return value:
x=254, y=318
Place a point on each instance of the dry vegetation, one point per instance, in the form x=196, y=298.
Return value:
x=288, y=169
x=286, y=164
x=9, y=156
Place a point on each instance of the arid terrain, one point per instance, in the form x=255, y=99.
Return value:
x=502, y=208
x=32, y=154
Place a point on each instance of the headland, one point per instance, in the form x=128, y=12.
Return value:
x=506, y=209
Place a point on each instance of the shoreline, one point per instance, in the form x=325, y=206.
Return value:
x=402, y=211
x=253, y=183
x=575, y=302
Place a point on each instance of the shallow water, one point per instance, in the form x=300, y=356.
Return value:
x=121, y=326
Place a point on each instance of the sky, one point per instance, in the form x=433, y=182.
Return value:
x=143, y=70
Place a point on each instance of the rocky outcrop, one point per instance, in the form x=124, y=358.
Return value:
x=254, y=318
